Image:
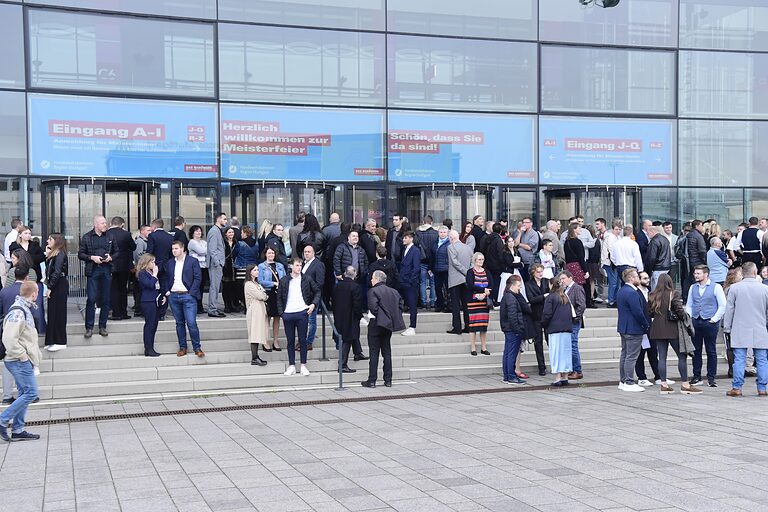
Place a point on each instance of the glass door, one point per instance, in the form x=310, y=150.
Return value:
x=316, y=201
x=367, y=204
x=196, y=203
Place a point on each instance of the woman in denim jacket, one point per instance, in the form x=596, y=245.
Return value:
x=270, y=273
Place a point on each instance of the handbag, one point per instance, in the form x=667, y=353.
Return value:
x=671, y=315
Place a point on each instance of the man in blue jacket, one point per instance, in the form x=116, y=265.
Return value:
x=182, y=287
x=633, y=325
x=410, y=272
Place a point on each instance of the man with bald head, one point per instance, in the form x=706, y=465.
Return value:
x=97, y=250
x=333, y=229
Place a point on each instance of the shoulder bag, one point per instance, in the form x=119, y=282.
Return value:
x=671, y=315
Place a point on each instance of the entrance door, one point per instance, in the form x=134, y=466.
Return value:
x=196, y=203
x=457, y=204
x=593, y=203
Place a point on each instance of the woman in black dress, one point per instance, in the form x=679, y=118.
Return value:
x=575, y=259
x=228, y=280
x=56, y=272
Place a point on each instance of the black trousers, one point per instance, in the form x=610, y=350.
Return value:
x=538, y=346
x=356, y=347
x=118, y=293
x=379, y=341
x=441, y=289
x=136, y=295
x=410, y=295
x=203, y=285
x=151, y=319
x=161, y=276
x=653, y=358
x=459, y=306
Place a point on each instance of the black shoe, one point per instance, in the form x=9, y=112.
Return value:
x=8, y=401
x=36, y=400
x=162, y=318
x=217, y=314
x=139, y=315
x=258, y=362
x=516, y=381
x=485, y=352
x=388, y=383
x=365, y=384
x=730, y=374
x=24, y=436
x=361, y=358
x=126, y=317
x=4, y=434
x=712, y=384
x=151, y=353
x=447, y=310
x=347, y=369
x=103, y=332
x=228, y=310
x=277, y=349
x=88, y=333
x=695, y=381
x=115, y=318
x=465, y=330
x=473, y=353
x=542, y=372
x=613, y=306
x=453, y=332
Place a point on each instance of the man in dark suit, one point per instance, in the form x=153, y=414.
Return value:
x=313, y=269
x=643, y=237
x=121, y=268
x=159, y=245
x=410, y=270
x=179, y=233
x=182, y=287
x=578, y=300
x=349, y=311
x=633, y=325
x=386, y=307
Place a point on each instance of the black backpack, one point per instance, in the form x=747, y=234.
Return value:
x=2, y=345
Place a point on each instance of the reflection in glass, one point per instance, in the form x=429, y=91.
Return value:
x=723, y=153
x=367, y=204
x=724, y=24
x=726, y=206
x=314, y=201
x=660, y=203
x=723, y=84
x=350, y=14
x=12, y=44
x=276, y=205
x=614, y=80
x=114, y=53
x=301, y=65
x=501, y=19
x=634, y=22
x=13, y=133
x=196, y=205
x=177, y=8
x=518, y=204
x=461, y=74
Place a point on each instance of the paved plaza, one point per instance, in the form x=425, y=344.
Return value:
x=583, y=448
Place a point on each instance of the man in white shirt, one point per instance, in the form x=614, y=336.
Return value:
x=11, y=237
x=183, y=280
x=626, y=253
x=610, y=239
x=706, y=305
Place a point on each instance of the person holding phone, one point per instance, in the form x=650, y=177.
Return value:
x=97, y=250
x=151, y=299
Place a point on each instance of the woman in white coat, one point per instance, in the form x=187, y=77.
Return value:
x=255, y=313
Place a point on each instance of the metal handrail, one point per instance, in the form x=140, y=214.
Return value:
x=337, y=335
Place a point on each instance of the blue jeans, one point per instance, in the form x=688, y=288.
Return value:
x=98, y=289
x=424, y=280
x=296, y=323
x=612, y=283
x=312, y=328
x=740, y=361
x=575, y=356
x=184, y=309
x=512, y=342
x=24, y=374
x=705, y=332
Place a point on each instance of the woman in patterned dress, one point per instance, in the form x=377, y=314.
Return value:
x=479, y=286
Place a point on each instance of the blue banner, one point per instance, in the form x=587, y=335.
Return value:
x=76, y=136
x=301, y=144
x=605, y=152
x=457, y=148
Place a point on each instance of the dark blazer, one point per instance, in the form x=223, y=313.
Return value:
x=535, y=294
x=191, y=275
x=347, y=309
x=386, y=305
x=159, y=244
x=389, y=268
x=642, y=242
x=56, y=269
x=494, y=252
x=125, y=245
x=147, y=283
x=633, y=312
x=529, y=329
x=508, y=262
x=556, y=316
x=310, y=292
x=36, y=252
x=394, y=245
x=410, y=267
x=579, y=300
x=511, y=314
x=316, y=272
x=179, y=234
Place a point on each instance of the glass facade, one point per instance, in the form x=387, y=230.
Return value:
x=372, y=106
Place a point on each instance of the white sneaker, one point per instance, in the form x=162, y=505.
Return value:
x=47, y=347
x=304, y=370
x=668, y=382
x=56, y=348
x=621, y=386
x=290, y=371
x=750, y=370
x=645, y=383
x=408, y=332
x=633, y=388
x=598, y=300
x=363, y=321
x=496, y=308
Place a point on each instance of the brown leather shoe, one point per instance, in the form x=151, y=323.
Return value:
x=199, y=353
x=182, y=352
x=575, y=376
x=733, y=393
x=762, y=393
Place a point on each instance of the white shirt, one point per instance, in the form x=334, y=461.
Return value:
x=626, y=252
x=407, y=248
x=609, y=240
x=739, y=245
x=719, y=295
x=734, y=244
x=295, y=301
x=178, y=284
x=9, y=239
x=306, y=265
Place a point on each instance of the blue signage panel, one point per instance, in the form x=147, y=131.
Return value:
x=457, y=148
x=605, y=151
x=76, y=136
x=301, y=144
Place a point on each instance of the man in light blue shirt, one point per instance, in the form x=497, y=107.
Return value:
x=706, y=305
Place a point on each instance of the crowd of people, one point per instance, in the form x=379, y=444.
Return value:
x=540, y=280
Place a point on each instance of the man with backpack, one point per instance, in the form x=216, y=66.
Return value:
x=22, y=358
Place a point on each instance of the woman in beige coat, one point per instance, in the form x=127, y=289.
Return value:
x=255, y=313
